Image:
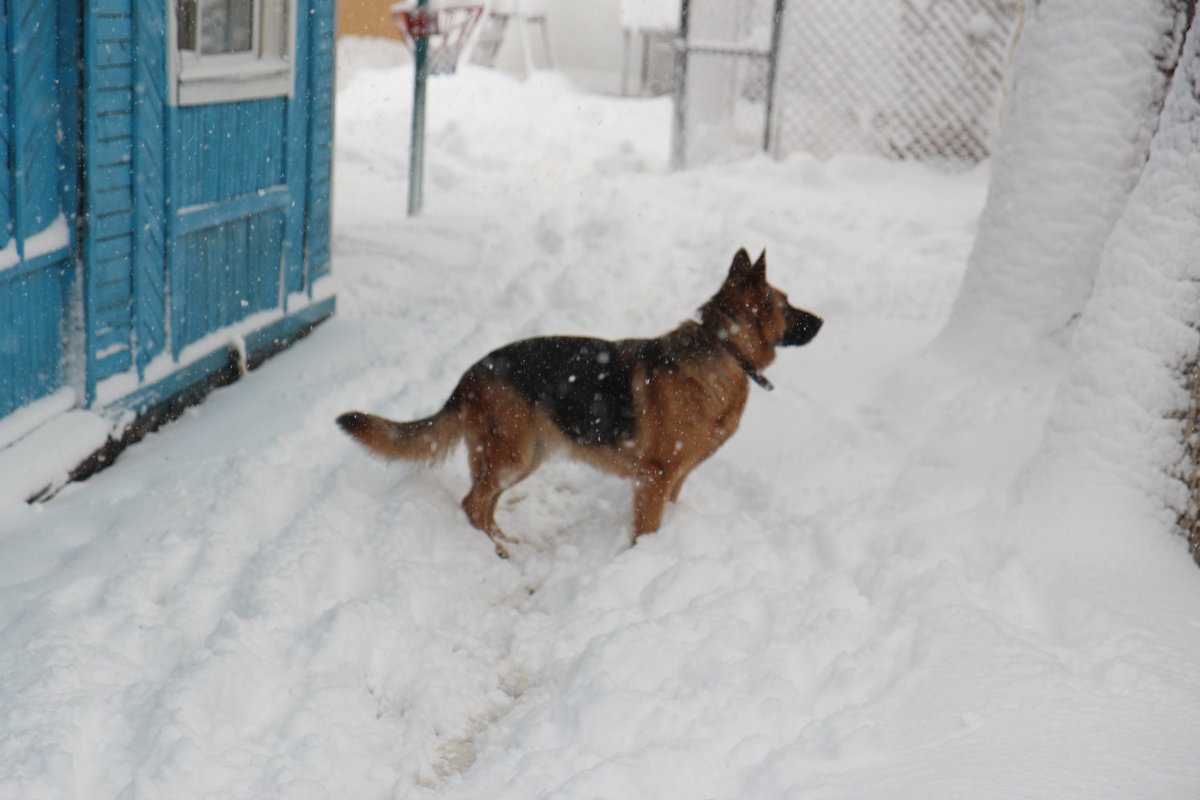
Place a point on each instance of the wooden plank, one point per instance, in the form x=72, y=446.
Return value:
x=53, y=260
x=114, y=53
x=7, y=199
x=192, y=383
x=115, y=268
x=113, y=363
x=112, y=176
x=115, y=296
x=112, y=27
x=150, y=121
x=114, y=199
x=282, y=333
x=31, y=308
x=113, y=102
x=112, y=76
x=295, y=274
x=111, y=152
x=228, y=149
x=211, y=215
x=320, y=139
x=113, y=248
x=266, y=239
x=112, y=225
x=35, y=154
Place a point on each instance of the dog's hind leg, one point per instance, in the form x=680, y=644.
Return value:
x=480, y=505
x=498, y=462
x=492, y=471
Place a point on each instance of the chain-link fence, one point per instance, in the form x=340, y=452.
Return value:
x=919, y=79
x=722, y=80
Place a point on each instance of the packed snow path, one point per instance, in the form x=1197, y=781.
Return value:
x=848, y=602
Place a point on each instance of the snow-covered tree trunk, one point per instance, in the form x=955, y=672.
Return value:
x=1088, y=83
x=1127, y=415
x=1091, y=236
x=1189, y=469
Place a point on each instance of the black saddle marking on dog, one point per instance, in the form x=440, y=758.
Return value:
x=584, y=385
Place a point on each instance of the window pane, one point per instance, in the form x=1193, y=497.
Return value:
x=226, y=26
x=185, y=20
x=274, y=33
x=281, y=35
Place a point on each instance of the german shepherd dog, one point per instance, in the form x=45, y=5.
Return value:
x=646, y=409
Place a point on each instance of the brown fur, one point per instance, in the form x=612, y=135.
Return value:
x=688, y=389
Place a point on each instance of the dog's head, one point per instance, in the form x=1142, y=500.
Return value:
x=751, y=302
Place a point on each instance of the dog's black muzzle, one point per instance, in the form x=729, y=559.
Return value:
x=802, y=327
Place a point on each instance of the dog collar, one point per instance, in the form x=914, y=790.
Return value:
x=753, y=372
x=748, y=368
x=729, y=347
x=759, y=378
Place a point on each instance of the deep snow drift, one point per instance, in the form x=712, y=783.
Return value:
x=847, y=602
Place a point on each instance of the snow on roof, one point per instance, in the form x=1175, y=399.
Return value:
x=652, y=15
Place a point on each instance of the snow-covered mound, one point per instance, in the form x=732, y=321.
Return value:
x=847, y=602
x=1077, y=128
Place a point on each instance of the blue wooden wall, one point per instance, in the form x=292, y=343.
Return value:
x=202, y=214
x=36, y=178
x=167, y=223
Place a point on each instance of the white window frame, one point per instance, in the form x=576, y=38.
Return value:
x=267, y=69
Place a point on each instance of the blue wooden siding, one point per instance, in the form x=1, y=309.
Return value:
x=33, y=319
x=204, y=210
x=295, y=259
x=108, y=133
x=36, y=289
x=194, y=218
x=230, y=271
x=321, y=71
x=229, y=186
x=34, y=152
x=6, y=187
x=150, y=197
x=227, y=150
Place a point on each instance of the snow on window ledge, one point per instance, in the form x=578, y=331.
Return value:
x=227, y=79
x=54, y=237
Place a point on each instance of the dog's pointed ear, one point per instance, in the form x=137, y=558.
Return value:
x=741, y=266
x=759, y=271
x=743, y=272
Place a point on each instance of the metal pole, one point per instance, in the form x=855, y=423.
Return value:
x=416, y=152
x=773, y=75
x=678, y=130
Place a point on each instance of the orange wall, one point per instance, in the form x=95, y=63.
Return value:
x=366, y=18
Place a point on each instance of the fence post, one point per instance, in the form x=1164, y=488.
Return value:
x=679, y=128
x=773, y=74
x=416, y=151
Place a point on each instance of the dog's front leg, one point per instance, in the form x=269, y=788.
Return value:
x=650, y=491
x=677, y=484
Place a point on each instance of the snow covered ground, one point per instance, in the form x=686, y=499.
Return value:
x=851, y=599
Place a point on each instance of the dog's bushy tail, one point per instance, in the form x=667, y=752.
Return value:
x=424, y=440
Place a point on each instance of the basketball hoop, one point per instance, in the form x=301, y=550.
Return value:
x=446, y=28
